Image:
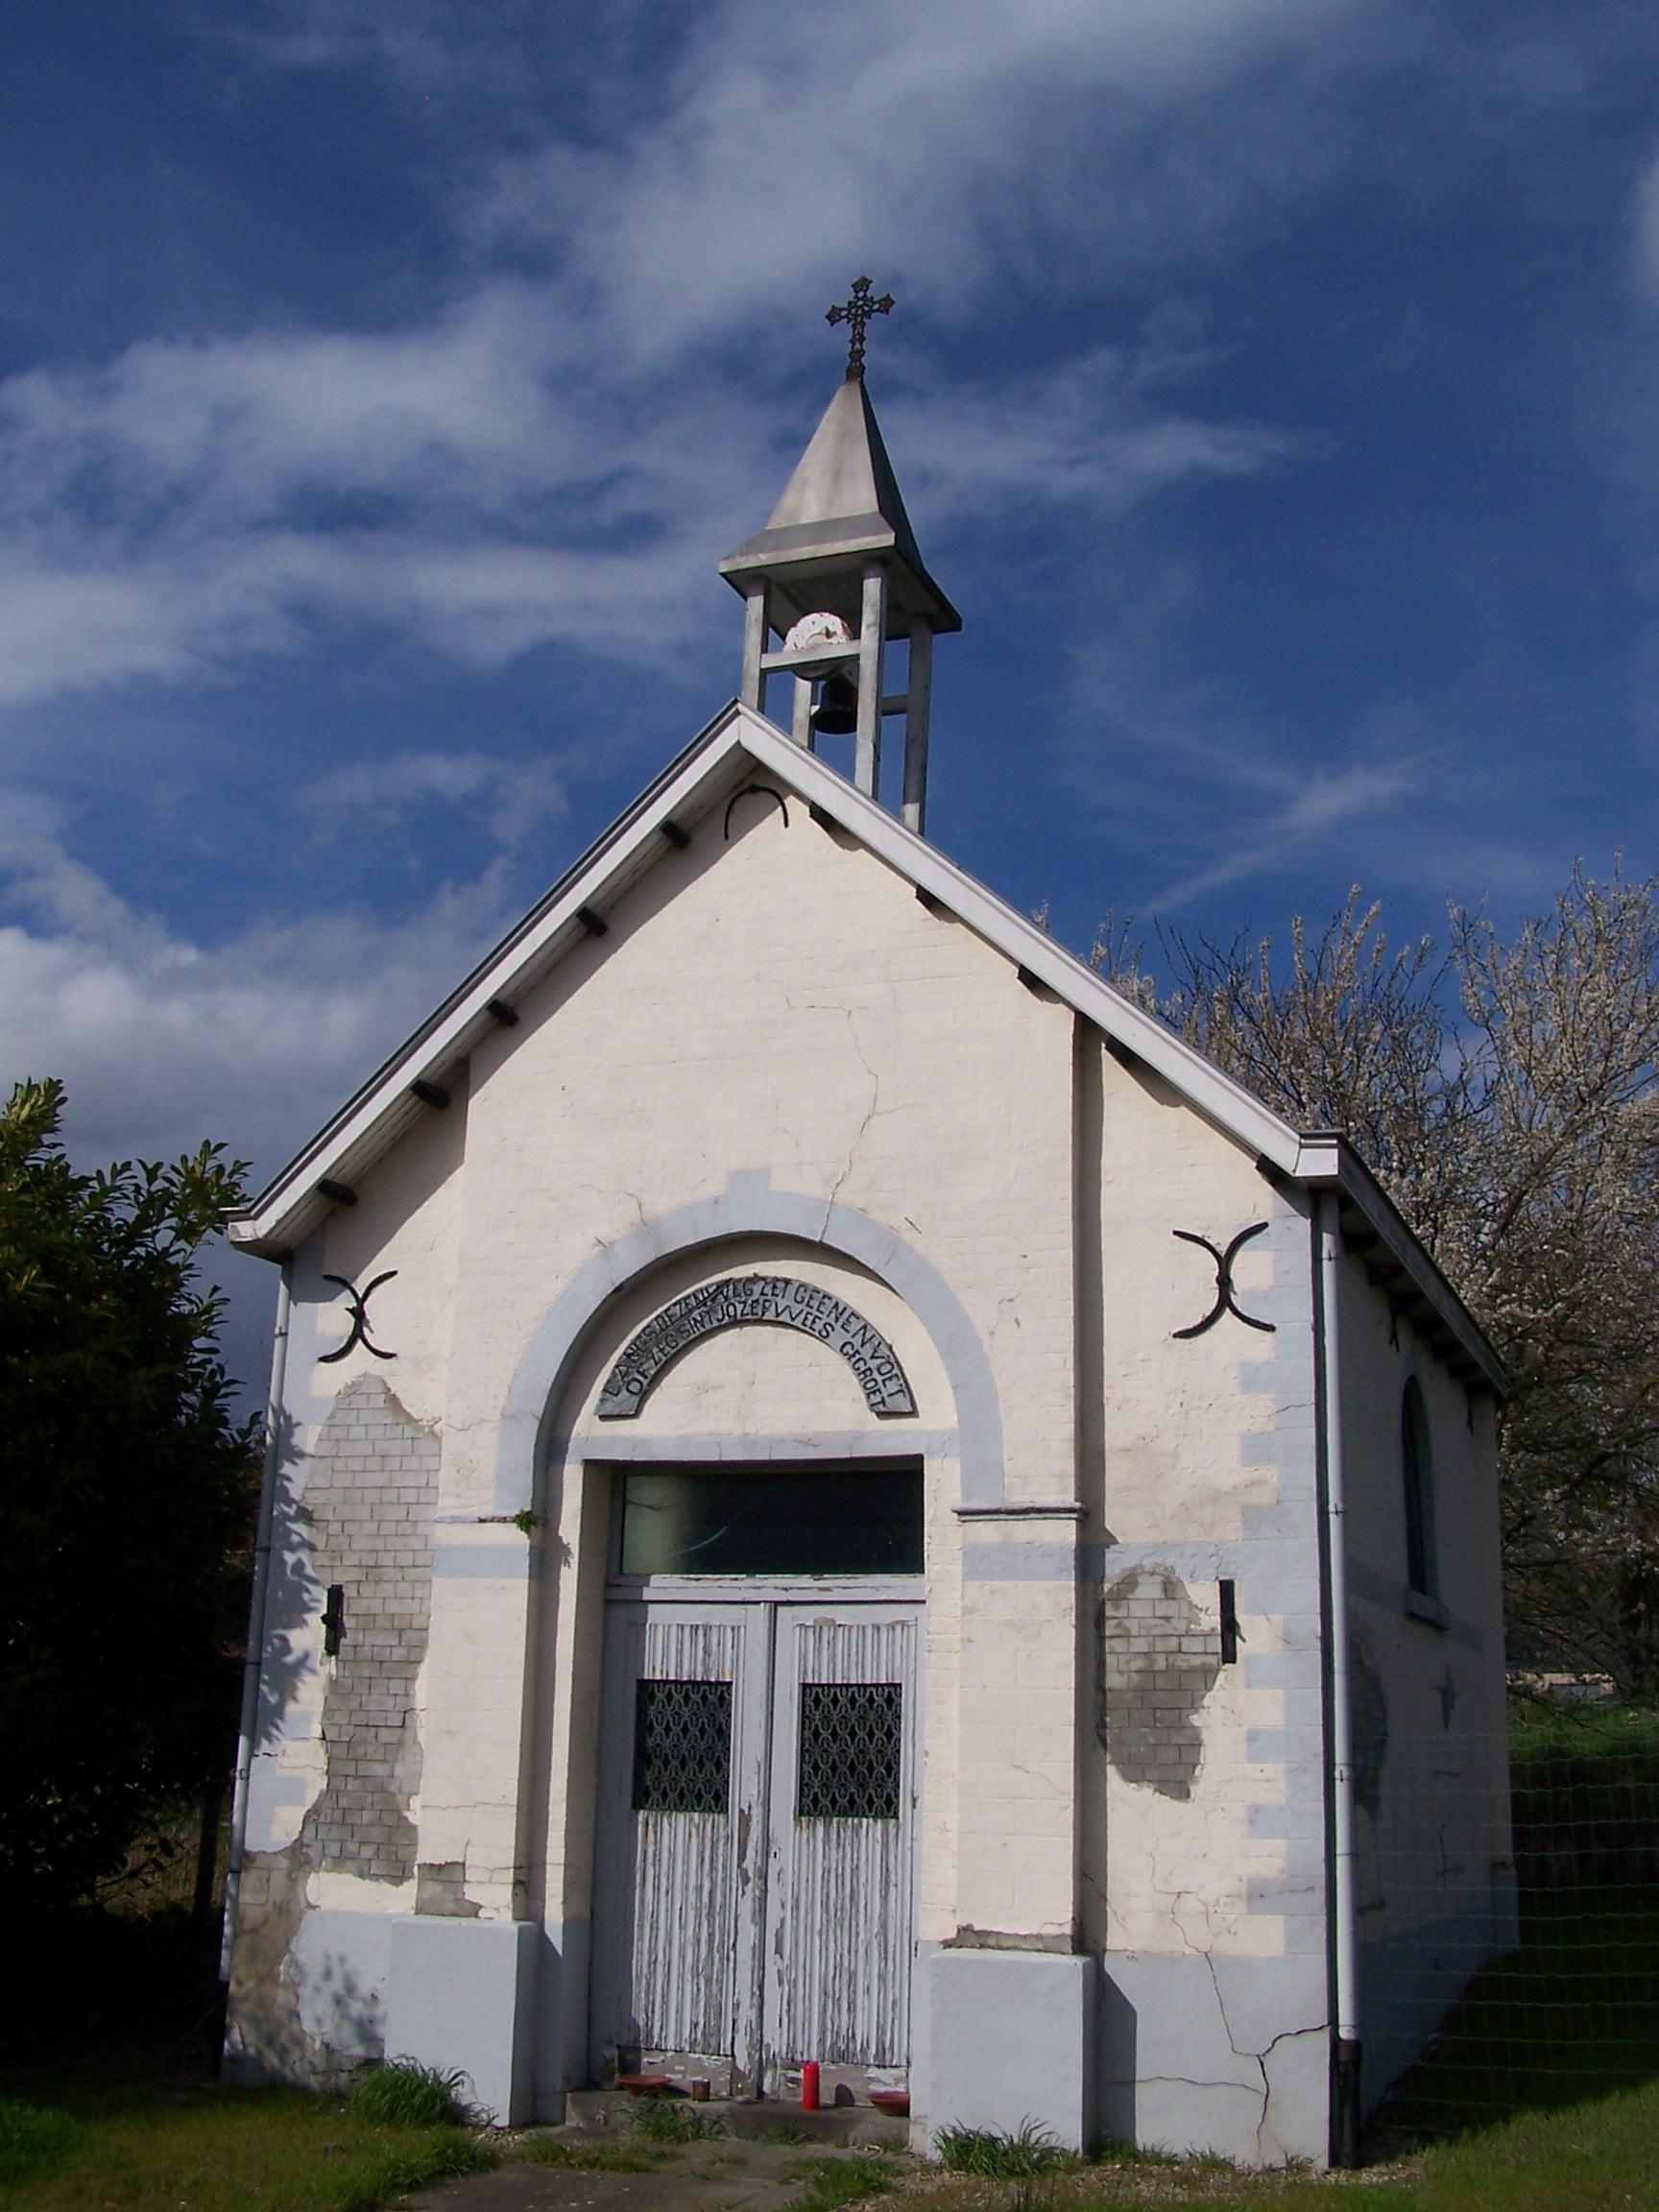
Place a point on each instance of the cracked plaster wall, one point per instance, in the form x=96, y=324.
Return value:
x=1436, y=1877
x=780, y=1011
x=308, y=1982
x=1210, y=1914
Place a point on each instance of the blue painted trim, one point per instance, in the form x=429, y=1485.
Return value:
x=748, y=1207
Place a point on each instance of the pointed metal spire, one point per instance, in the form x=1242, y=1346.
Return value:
x=839, y=548
x=843, y=501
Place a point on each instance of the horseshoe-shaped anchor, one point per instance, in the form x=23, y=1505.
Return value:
x=359, y=1318
x=1225, y=1302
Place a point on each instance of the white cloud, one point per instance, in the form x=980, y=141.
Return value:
x=198, y=504
x=1308, y=810
x=559, y=458
x=163, y=1040
x=1061, y=140
x=1086, y=431
x=513, y=797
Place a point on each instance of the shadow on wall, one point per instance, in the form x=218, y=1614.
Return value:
x=291, y=1596
x=299, y=2011
x=1118, y=2047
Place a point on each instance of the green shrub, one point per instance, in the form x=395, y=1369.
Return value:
x=401, y=2094
x=999, y=2157
x=32, y=2138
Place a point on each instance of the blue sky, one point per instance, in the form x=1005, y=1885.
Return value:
x=1274, y=384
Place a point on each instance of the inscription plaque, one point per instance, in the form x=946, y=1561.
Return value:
x=781, y=1302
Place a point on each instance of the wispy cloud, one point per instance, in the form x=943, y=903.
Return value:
x=514, y=798
x=1308, y=811
x=164, y=1039
x=471, y=484
x=1072, y=138
x=1646, y=230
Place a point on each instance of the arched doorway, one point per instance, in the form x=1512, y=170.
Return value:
x=759, y=1757
x=759, y=1774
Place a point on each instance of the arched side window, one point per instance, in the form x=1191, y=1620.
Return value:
x=1417, y=1474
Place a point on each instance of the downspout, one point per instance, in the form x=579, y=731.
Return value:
x=1345, y=1946
x=253, y=1657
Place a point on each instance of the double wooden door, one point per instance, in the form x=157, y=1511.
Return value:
x=757, y=1840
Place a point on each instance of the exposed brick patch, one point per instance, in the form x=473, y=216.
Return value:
x=441, y=1889
x=370, y=1496
x=1158, y=1662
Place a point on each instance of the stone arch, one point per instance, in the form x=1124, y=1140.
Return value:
x=750, y=1206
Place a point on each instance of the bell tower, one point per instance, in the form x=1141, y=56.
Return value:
x=835, y=576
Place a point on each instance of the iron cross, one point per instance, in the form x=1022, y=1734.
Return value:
x=855, y=313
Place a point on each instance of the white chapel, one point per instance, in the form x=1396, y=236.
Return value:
x=837, y=1494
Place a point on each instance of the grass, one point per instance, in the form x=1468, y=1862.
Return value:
x=1573, y=2015
x=1028, y=2151
x=1600, y=2155
x=403, y=2094
x=595, y=2157
x=831, y=2182
x=1585, y=1790
x=33, y=2139
x=672, y=2120
x=148, y=2149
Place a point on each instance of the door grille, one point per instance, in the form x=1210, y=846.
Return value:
x=850, y=1756
x=683, y=1747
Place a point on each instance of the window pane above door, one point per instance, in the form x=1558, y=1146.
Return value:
x=775, y=1520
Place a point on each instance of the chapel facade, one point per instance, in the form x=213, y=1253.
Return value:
x=837, y=1494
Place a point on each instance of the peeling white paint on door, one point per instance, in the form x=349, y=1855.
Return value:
x=841, y=1886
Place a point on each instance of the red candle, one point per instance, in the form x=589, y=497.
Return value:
x=809, y=2086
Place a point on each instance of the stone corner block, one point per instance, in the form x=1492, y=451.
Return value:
x=1011, y=2038
x=460, y=1995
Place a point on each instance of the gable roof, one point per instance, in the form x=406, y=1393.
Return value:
x=666, y=813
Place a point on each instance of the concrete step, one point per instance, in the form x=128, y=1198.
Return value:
x=607, y=2111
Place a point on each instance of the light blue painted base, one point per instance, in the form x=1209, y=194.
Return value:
x=1010, y=2037
x=459, y=1997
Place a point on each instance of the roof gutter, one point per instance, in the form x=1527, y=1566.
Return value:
x=1373, y=1229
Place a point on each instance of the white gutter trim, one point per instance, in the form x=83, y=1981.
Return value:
x=372, y=1119
x=253, y=1655
x=1346, y=1947
x=1326, y=1160
x=287, y=1209
x=376, y=1113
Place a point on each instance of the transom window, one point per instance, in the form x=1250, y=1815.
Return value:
x=773, y=1520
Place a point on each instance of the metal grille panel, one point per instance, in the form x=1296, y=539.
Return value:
x=851, y=1751
x=683, y=1746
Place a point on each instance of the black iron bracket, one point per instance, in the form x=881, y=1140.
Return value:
x=1225, y=1302
x=359, y=1312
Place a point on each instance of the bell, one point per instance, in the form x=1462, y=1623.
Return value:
x=836, y=713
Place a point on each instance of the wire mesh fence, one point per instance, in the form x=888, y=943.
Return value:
x=1552, y=1999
